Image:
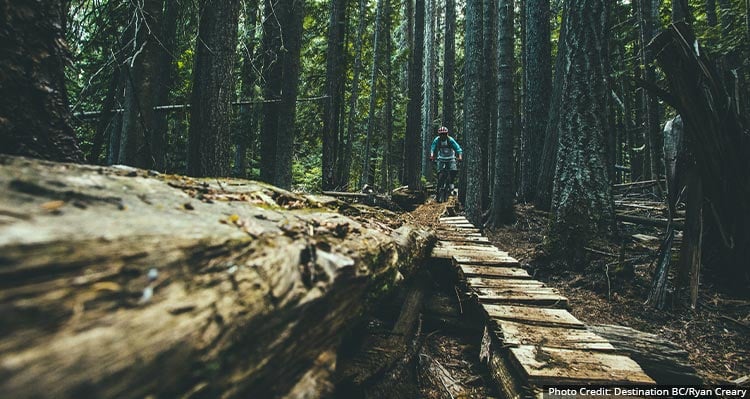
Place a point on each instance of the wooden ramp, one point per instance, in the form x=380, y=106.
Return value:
x=530, y=339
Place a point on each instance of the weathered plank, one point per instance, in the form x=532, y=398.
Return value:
x=467, y=246
x=448, y=253
x=458, y=225
x=533, y=315
x=537, y=296
x=483, y=244
x=480, y=282
x=549, y=366
x=459, y=230
x=478, y=259
x=453, y=218
x=493, y=272
x=514, y=333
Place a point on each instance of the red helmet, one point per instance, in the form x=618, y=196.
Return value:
x=443, y=130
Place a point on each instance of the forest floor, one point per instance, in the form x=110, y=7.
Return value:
x=716, y=334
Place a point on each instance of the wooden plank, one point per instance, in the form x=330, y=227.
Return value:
x=514, y=333
x=459, y=225
x=448, y=218
x=448, y=253
x=549, y=366
x=461, y=230
x=459, y=241
x=454, y=236
x=480, y=282
x=478, y=259
x=464, y=245
x=535, y=316
x=537, y=296
x=493, y=272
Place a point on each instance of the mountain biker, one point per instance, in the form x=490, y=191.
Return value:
x=447, y=150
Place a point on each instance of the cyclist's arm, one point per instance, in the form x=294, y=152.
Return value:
x=456, y=147
x=433, y=146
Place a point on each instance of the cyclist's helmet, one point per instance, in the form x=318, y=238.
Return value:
x=443, y=130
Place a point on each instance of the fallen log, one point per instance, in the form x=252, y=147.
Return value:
x=676, y=223
x=123, y=283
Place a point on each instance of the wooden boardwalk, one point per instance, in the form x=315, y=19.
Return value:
x=530, y=339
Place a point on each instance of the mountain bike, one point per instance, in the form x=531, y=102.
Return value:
x=443, y=181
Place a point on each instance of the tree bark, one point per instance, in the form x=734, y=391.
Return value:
x=166, y=73
x=428, y=88
x=346, y=166
x=413, y=151
x=209, y=139
x=548, y=159
x=332, y=105
x=449, y=68
x=387, y=174
x=488, y=133
x=653, y=166
x=503, y=193
x=272, y=80
x=473, y=110
x=34, y=111
x=244, y=134
x=582, y=196
x=293, y=13
x=366, y=176
x=680, y=11
x=142, y=72
x=538, y=86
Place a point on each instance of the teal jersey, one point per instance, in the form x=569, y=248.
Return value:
x=446, y=149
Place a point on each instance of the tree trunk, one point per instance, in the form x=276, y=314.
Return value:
x=106, y=119
x=210, y=125
x=503, y=193
x=653, y=165
x=366, y=177
x=34, y=112
x=178, y=299
x=293, y=13
x=537, y=89
x=582, y=196
x=387, y=174
x=680, y=11
x=244, y=134
x=346, y=167
x=272, y=80
x=488, y=133
x=473, y=110
x=548, y=160
x=166, y=73
x=449, y=68
x=428, y=87
x=142, y=74
x=413, y=151
x=334, y=82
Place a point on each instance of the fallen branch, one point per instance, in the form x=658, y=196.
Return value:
x=677, y=223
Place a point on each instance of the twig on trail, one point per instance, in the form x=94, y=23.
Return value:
x=609, y=284
x=460, y=307
x=601, y=252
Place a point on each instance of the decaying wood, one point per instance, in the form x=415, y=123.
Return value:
x=716, y=137
x=121, y=283
x=374, y=373
x=676, y=223
x=662, y=360
x=550, y=366
x=639, y=184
